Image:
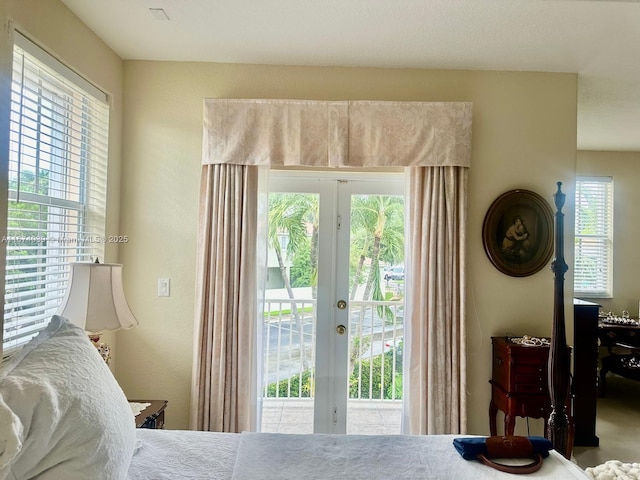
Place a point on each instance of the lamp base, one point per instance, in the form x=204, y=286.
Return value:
x=103, y=349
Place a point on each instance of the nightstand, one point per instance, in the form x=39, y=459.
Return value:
x=153, y=415
x=519, y=385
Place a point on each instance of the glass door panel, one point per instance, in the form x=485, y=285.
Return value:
x=333, y=318
x=289, y=319
x=376, y=292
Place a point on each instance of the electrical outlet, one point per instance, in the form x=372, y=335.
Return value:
x=164, y=287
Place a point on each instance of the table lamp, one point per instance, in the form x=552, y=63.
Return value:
x=95, y=301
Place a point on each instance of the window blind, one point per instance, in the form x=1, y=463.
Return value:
x=57, y=186
x=593, y=271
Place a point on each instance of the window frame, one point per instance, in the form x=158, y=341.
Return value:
x=594, y=197
x=57, y=180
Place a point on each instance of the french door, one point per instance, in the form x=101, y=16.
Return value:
x=333, y=326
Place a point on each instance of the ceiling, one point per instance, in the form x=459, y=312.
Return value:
x=597, y=39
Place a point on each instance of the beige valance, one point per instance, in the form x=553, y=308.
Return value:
x=337, y=134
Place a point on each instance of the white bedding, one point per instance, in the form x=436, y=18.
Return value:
x=178, y=454
x=175, y=454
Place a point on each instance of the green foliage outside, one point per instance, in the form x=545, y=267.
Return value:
x=24, y=220
x=28, y=217
x=365, y=372
x=302, y=273
x=283, y=387
x=368, y=374
x=377, y=239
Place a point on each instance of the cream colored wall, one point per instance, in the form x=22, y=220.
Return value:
x=52, y=26
x=624, y=167
x=524, y=136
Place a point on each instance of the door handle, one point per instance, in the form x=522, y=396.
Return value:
x=341, y=304
x=341, y=329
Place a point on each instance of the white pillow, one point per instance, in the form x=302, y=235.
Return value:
x=63, y=416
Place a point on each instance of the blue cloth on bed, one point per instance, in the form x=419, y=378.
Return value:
x=471, y=447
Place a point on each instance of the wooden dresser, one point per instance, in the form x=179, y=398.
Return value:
x=585, y=372
x=519, y=385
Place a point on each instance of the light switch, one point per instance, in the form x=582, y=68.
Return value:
x=163, y=287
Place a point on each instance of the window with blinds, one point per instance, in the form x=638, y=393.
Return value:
x=593, y=271
x=57, y=186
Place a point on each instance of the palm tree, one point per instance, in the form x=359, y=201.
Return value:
x=377, y=225
x=377, y=233
x=293, y=214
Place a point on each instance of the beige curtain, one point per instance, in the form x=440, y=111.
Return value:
x=239, y=136
x=435, y=365
x=224, y=377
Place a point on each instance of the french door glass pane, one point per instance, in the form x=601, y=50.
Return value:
x=334, y=305
x=376, y=274
x=289, y=329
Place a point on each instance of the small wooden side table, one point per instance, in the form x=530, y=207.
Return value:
x=153, y=415
x=518, y=384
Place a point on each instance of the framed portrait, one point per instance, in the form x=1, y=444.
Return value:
x=517, y=233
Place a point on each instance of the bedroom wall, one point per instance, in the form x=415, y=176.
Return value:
x=524, y=136
x=52, y=26
x=624, y=167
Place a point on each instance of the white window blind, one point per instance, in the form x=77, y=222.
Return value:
x=593, y=272
x=57, y=186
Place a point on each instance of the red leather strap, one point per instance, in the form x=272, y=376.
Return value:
x=517, y=469
x=510, y=446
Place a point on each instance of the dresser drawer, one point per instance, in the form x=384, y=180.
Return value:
x=530, y=379
x=531, y=388
x=517, y=367
x=534, y=356
x=530, y=376
x=535, y=407
x=534, y=369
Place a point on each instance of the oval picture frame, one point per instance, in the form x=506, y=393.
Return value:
x=517, y=233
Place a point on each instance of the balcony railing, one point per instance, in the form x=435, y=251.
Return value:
x=289, y=337
x=376, y=330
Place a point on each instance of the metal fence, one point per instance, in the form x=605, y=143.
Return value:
x=376, y=330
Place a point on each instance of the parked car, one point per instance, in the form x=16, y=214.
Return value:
x=394, y=273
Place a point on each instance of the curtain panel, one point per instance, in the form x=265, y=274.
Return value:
x=435, y=363
x=434, y=139
x=224, y=376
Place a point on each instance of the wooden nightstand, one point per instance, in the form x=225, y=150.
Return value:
x=153, y=415
x=519, y=384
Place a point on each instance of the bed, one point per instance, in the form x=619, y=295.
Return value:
x=178, y=454
x=64, y=417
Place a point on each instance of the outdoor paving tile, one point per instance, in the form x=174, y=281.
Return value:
x=364, y=417
x=296, y=416
x=271, y=416
x=270, y=427
x=391, y=418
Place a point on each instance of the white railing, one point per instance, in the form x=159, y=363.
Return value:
x=289, y=338
x=375, y=342
x=376, y=332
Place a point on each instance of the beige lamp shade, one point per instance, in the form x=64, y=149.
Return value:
x=95, y=298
